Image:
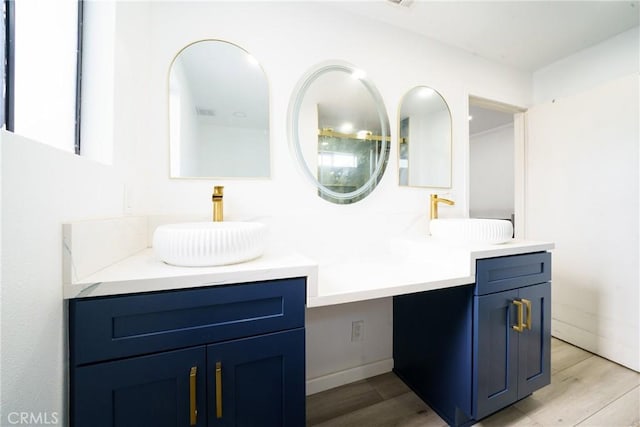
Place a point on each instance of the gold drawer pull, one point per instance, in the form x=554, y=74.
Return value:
x=520, y=326
x=218, y=390
x=193, y=419
x=528, y=304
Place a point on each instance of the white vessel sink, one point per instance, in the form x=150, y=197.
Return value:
x=472, y=230
x=206, y=244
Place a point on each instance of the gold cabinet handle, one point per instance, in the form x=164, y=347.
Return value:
x=528, y=304
x=218, y=390
x=520, y=326
x=193, y=419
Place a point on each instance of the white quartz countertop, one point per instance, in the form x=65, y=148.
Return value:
x=144, y=272
x=408, y=266
x=400, y=267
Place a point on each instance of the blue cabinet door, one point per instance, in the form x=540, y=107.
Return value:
x=496, y=345
x=509, y=364
x=257, y=381
x=157, y=390
x=534, y=345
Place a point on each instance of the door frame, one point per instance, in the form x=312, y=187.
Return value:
x=519, y=156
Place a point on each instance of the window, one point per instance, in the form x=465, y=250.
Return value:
x=42, y=52
x=6, y=115
x=338, y=160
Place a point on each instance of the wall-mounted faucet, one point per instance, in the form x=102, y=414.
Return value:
x=434, y=205
x=216, y=198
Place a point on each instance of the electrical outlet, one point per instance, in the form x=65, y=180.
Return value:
x=357, y=331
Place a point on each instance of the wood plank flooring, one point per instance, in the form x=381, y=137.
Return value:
x=585, y=390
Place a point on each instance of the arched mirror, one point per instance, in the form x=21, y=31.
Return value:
x=424, y=154
x=339, y=132
x=218, y=113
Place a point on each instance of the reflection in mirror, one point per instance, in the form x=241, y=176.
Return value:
x=218, y=113
x=339, y=132
x=425, y=139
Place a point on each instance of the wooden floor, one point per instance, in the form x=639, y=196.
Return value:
x=585, y=390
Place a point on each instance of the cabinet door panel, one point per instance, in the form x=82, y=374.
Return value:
x=534, y=353
x=512, y=272
x=262, y=381
x=496, y=343
x=141, y=391
x=107, y=328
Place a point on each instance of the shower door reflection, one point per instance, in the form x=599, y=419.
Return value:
x=346, y=161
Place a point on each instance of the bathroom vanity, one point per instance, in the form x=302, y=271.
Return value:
x=153, y=344
x=212, y=356
x=496, y=332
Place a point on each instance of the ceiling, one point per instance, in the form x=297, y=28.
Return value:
x=482, y=119
x=527, y=35
x=236, y=95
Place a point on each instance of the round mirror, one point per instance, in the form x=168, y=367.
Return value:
x=424, y=154
x=339, y=132
x=218, y=113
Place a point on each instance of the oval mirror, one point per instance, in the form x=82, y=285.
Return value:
x=218, y=113
x=339, y=132
x=424, y=154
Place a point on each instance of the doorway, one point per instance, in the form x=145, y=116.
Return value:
x=496, y=161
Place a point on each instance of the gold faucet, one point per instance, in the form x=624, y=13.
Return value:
x=434, y=204
x=216, y=198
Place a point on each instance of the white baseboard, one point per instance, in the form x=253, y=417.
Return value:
x=326, y=382
x=622, y=352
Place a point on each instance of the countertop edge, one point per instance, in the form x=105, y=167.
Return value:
x=155, y=276
x=386, y=292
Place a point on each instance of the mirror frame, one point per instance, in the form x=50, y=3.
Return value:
x=450, y=177
x=268, y=130
x=293, y=113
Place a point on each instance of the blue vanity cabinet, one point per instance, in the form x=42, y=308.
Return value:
x=216, y=356
x=468, y=360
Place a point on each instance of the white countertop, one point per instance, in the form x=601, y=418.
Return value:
x=403, y=266
x=144, y=272
x=407, y=267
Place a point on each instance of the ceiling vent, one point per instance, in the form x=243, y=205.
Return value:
x=207, y=112
x=405, y=3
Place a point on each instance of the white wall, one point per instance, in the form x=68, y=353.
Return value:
x=617, y=57
x=42, y=187
x=582, y=193
x=286, y=54
x=491, y=173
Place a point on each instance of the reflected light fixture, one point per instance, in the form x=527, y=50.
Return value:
x=346, y=127
x=426, y=92
x=405, y=3
x=252, y=60
x=363, y=134
x=358, y=74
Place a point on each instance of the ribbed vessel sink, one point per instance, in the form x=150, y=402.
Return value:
x=206, y=244
x=472, y=230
